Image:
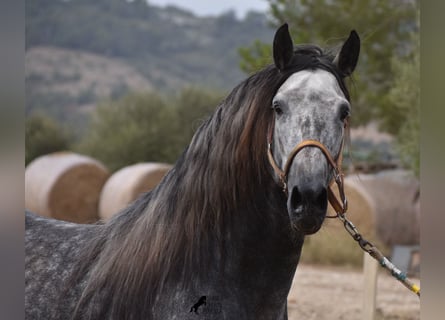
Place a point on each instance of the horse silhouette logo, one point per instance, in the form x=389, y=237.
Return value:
x=195, y=307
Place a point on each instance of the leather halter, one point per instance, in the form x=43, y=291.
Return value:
x=340, y=206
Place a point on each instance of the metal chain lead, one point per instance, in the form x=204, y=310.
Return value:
x=376, y=254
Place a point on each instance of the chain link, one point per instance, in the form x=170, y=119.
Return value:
x=352, y=230
x=376, y=254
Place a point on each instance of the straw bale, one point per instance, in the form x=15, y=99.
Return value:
x=361, y=208
x=126, y=184
x=65, y=186
x=332, y=244
x=394, y=193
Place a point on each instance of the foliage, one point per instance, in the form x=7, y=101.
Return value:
x=142, y=127
x=130, y=130
x=404, y=98
x=43, y=136
x=255, y=57
x=384, y=27
x=192, y=106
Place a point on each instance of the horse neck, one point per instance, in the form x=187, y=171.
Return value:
x=217, y=220
x=240, y=209
x=252, y=260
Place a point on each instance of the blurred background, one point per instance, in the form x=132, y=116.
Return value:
x=125, y=82
x=100, y=74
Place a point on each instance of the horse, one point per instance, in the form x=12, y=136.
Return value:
x=226, y=222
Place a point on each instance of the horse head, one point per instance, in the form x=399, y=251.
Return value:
x=312, y=104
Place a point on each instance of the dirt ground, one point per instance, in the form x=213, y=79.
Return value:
x=334, y=293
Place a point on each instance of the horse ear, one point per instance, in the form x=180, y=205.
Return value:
x=347, y=58
x=283, y=48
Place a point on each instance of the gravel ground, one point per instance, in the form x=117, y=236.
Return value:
x=332, y=293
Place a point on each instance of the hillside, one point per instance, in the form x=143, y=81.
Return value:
x=79, y=51
x=79, y=77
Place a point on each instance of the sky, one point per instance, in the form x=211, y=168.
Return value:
x=208, y=7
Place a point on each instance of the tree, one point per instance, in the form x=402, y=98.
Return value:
x=255, y=57
x=383, y=25
x=42, y=136
x=404, y=101
x=142, y=127
x=193, y=106
x=135, y=128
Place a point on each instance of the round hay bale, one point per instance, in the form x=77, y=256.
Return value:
x=65, y=186
x=394, y=193
x=126, y=184
x=333, y=244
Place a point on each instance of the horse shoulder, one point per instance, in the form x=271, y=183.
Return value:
x=51, y=249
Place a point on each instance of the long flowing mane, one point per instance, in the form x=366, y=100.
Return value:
x=182, y=226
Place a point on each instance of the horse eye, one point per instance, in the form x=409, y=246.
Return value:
x=277, y=108
x=344, y=112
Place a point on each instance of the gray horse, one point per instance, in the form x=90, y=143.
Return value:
x=219, y=224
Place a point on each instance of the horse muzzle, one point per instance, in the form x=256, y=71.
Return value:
x=307, y=205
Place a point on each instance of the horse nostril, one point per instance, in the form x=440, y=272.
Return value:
x=296, y=200
x=307, y=207
x=308, y=198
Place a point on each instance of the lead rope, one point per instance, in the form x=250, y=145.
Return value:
x=370, y=248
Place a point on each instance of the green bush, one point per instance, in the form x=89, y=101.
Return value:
x=404, y=98
x=42, y=136
x=192, y=106
x=129, y=130
x=142, y=127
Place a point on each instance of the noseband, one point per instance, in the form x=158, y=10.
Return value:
x=340, y=206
